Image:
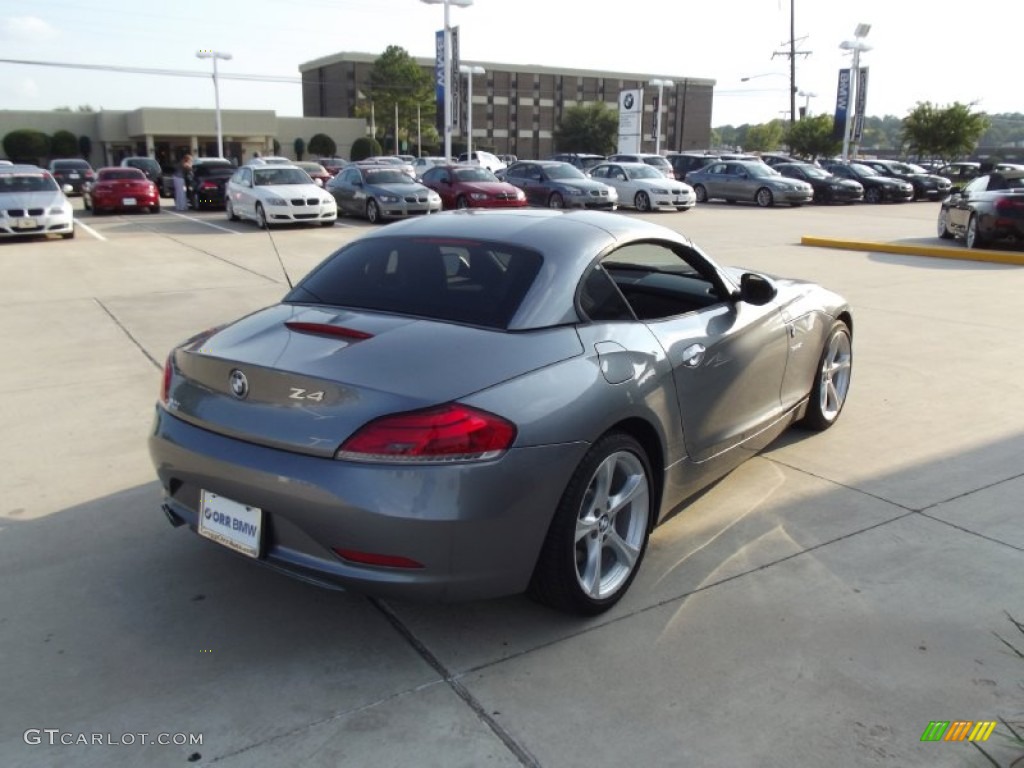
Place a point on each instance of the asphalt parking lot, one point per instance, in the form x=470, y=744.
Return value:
x=819, y=606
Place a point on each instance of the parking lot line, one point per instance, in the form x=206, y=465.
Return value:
x=200, y=221
x=90, y=230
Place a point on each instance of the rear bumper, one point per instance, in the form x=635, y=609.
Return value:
x=476, y=528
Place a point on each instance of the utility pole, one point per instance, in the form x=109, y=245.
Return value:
x=792, y=53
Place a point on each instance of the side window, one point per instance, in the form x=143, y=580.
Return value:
x=601, y=172
x=661, y=280
x=533, y=173
x=600, y=300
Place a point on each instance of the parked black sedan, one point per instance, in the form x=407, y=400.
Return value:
x=210, y=177
x=828, y=188
x=927, y=186
x=877, y=188
x=990, y=207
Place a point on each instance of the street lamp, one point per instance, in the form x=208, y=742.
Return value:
x=206, y=54
x=661, y=85
x=470, y=71
x=856, y=45
x=448, y=69
x=807, y=101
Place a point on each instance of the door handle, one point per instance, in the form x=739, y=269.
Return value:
x=693, y=355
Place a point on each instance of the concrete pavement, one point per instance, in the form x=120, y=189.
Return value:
x=819, y=606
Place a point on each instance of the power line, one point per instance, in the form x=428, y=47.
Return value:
x=151, y=71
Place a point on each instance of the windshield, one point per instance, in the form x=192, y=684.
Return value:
x=862, y=170
x=386, y=176
x=761, y=171
x=645, y=172
x=474, y=174
x=461, y=281
x=563, y=171
x=908, y=168
x=27, y=182
x=813, y=172
x=267, y=177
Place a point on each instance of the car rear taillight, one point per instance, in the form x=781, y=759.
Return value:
x=165, y=387
x=207, y=185
x=448, y=433
x=1010, y=204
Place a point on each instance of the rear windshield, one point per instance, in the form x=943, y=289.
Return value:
x=462, y=281
x=122, y=174
x=64, y=165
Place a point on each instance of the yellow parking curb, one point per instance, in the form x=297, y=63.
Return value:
x=935, y=251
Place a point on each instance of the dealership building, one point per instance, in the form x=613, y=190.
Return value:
x=517, y=107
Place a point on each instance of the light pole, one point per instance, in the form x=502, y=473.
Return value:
x=807, y=101
x=448, y=69
x=856, y=45
x=206, y=54
x=465, y=69
x=661, y=85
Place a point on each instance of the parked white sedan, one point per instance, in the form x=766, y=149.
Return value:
x=643, y=187
x=277, y=194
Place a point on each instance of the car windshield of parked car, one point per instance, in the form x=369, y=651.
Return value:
x=645, y=172
x=71, y=165
x=267, y=177
x=122, y=174
x=862, y=170
x=474, y=174
x=813, y=172
x=26, y=182
x=477, y=283
x=563, y=171
x=761, y=171
x=385, y=176
x=908, y=168
x=312, y=168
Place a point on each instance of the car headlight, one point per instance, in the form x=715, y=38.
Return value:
x=436, y=198
x=389, y=198
x=274, y=200
x=57, y=210
x=477, y=196
x=575, y=191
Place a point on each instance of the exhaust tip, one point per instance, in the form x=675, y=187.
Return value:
x=174, y=519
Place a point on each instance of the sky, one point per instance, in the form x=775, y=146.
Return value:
x=922, y=50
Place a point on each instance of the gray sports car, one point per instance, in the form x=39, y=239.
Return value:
x=481, y=403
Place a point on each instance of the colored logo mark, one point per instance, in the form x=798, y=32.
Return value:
x=958, y=730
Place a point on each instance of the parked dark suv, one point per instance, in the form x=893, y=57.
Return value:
x=150, y=167
x=210, y=176
x=73, y=172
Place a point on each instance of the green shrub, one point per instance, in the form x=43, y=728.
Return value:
x=26, y=146
x=322, y=145
x=64, y=144
x=365, y=147
x=299, y=146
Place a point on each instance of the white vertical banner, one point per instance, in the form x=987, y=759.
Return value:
x=631, y=111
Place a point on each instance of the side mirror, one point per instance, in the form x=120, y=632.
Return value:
x=756, y=289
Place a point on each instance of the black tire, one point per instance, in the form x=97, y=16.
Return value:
x=326, y=223
x=642, y=201
x=86, y=204
x=973, y=237
x=372, y=211
x=764, y=197
x=556, y=201
x=461, y=202
x=943, y=224
x=155, y=208
x=261, y=217
x=194, y=201
x=832, y=379
x=566, y=576
x=873, y=195
x=69, y=235
x=700, y=193
x=229, y=211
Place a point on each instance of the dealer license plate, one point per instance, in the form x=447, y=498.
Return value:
x=128, y=201
x=26, y=224
x=230, y=523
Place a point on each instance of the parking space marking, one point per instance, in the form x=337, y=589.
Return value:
x=201, y=221
x=90, y=230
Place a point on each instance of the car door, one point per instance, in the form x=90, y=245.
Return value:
x=728, y=356
x=347, y=191
x=240, y=192
x=715, y=180
x=960, y=213
x=530, y=179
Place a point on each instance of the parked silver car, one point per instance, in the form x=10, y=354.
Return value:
x=479, y=403
x=379, y=192
x=748, y=181
x=31, y=203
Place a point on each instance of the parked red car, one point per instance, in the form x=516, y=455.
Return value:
x=472, y=186
x=120, y=189
x=316, y=171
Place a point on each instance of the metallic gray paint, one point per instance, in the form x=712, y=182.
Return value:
x=562, y=380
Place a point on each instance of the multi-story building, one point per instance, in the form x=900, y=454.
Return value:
x=517, y=107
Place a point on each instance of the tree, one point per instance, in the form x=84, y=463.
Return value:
x=364, y=147
x=764, y=137
x=812, y=137
x=277, y=147
x=26, y=145
x=84, y=146
x=946, y=132
x=396, y=79
x=322, y=145
x=64, y=144
x=590, y=128
x=299, y=146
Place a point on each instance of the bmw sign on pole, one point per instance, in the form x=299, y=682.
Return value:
x=842, y=104
x=631, y=104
